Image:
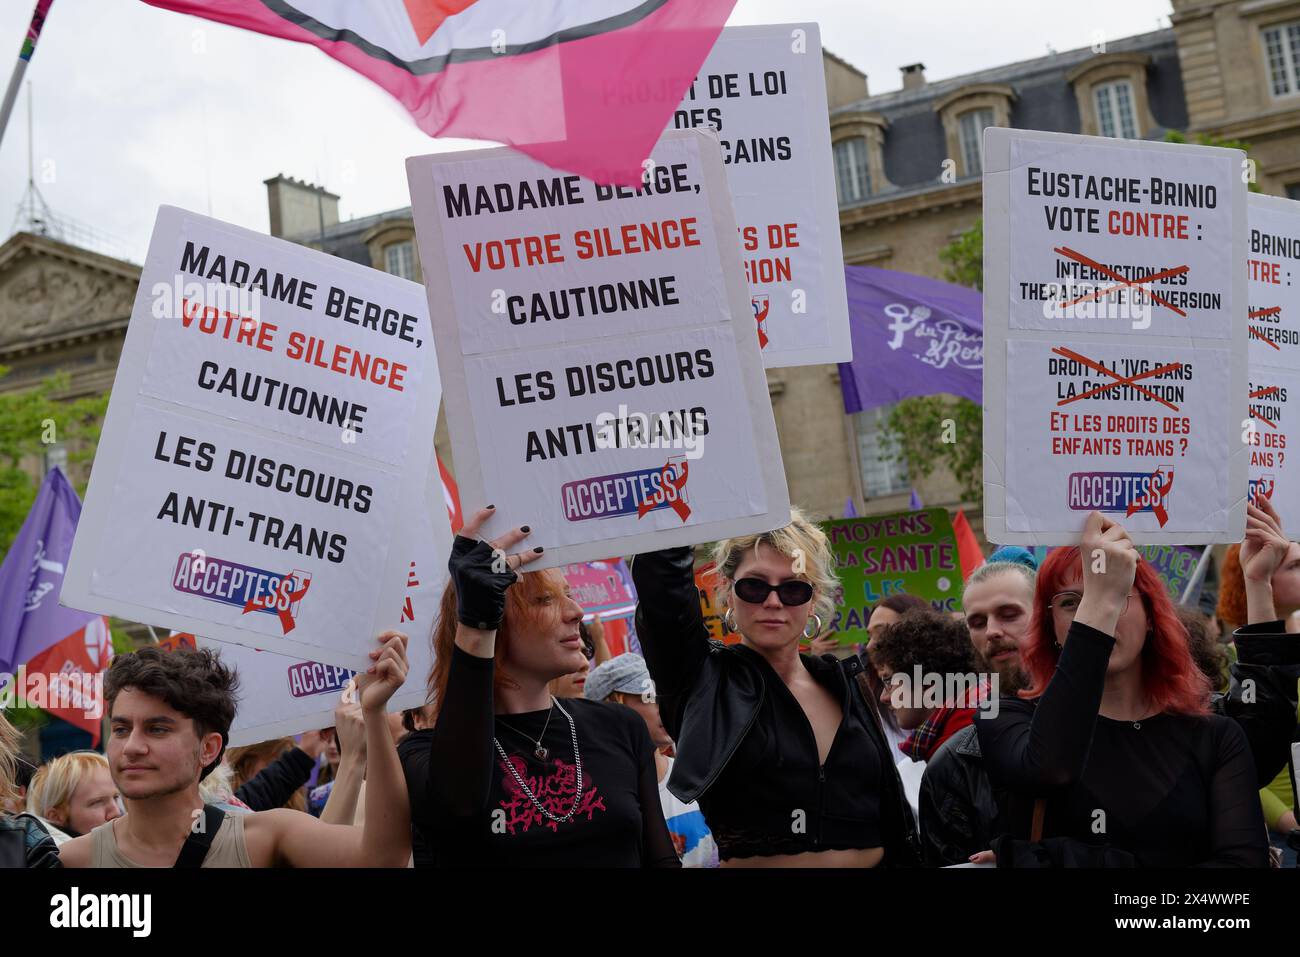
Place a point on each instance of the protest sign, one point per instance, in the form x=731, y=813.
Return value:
x=269, y=433
x=764, y=89
x=1114, y=299
x=912, y=553
x=1273, y=347
x=603, y=384
x=601, y=588
x=280, y=695
x=706, y=582
x=1175, y=565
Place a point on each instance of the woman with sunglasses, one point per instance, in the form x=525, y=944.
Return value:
x=509, y=776
x=1113, y=758
x=783, y=752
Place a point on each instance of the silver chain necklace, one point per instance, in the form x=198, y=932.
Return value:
x=528, y=792
x=539, y=752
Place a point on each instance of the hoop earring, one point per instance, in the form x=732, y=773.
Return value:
x=728, y=624
x=816, y=631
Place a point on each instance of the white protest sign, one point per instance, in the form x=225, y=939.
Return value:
x=270, y=430
x=1115, y=360
x=764, y=89
x=603, y=382
x=281, y=696
x=1273, y=337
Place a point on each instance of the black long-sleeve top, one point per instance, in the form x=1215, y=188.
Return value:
x=1172, y=790
x=468, y=811
x=274, y=784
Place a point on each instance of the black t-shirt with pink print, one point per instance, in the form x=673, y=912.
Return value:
x=468, y=810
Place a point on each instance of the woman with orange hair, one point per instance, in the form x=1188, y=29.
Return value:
x=508, y=775
x=1113, y=754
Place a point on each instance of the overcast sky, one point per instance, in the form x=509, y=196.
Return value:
x=136, y=106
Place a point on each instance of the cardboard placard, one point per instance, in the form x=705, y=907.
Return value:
x=764, y=89
x=270, y=431
x=1115, y=362
x=603, y=382
x=1273, y=347
x=282, y=696
x=913, y=553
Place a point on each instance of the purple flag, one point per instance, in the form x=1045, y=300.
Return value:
x=912, y=336
x=914, y=503
x=850, y=511
x=31, y=577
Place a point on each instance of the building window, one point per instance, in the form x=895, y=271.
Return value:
x=882, y=474
x=1115, y=110
x=1282, y=46
x=399, y=259
x=852, y=178
x=972, y=139
x=1293, y=190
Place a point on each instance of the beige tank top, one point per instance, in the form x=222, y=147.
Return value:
x=227, y=849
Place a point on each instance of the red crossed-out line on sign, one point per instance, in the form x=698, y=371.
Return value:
x=678, y=504
x=269, y=599
x=1121, y=281
x=1259, y=333
x=1259, y=394
x=1119, y=379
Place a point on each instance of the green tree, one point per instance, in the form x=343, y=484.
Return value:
x=1205, y=139
x=30, y=421
x=932, y=431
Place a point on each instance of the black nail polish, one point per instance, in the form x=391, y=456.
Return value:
x=524, y=528
x=538, y=549
x=489, y=506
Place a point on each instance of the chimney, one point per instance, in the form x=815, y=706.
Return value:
x=299, y=210
x=913, y=76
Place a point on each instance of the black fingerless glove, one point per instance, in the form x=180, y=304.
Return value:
x=480, y=591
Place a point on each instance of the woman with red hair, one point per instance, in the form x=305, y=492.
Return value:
x=509, y=776
x=1112, y=753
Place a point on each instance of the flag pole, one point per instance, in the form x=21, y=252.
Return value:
x=24, y=57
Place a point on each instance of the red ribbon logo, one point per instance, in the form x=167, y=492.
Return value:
x=1155, y=497
x=677, y=504
x=761, y=306
x=271, y=599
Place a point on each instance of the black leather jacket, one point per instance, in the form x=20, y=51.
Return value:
x=959, y=808
x=23, y=843
x=709, y=695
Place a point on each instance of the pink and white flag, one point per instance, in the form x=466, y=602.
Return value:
x=581, y=85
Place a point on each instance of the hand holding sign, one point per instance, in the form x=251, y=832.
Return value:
x=1109, y=565
x=349, y=725
x=1265, y=544
x=386, y=675
x=482, y=571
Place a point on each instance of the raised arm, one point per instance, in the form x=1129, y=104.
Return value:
x=670, y=626
x=1034, y=749
x=350, y=729
x=384, y=840
x=452, y=775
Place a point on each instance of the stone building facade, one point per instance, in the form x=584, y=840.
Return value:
x=907, y=166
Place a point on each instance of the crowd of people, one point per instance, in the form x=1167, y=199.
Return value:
x=1069, y=715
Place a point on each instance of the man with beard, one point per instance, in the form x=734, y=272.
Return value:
x=958, y=806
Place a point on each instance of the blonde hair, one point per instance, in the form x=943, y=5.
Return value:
x=9, y=739
x=803, y=543
x=54, y=784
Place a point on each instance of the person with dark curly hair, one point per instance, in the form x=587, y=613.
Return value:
x=169, y=717
x=926, y=664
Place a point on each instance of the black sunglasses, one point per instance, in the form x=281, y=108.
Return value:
x=755, y=591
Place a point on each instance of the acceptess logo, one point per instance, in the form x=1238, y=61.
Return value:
x=641, y=491
x=1126, y=492
x=253, y=589
x=77, y=910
